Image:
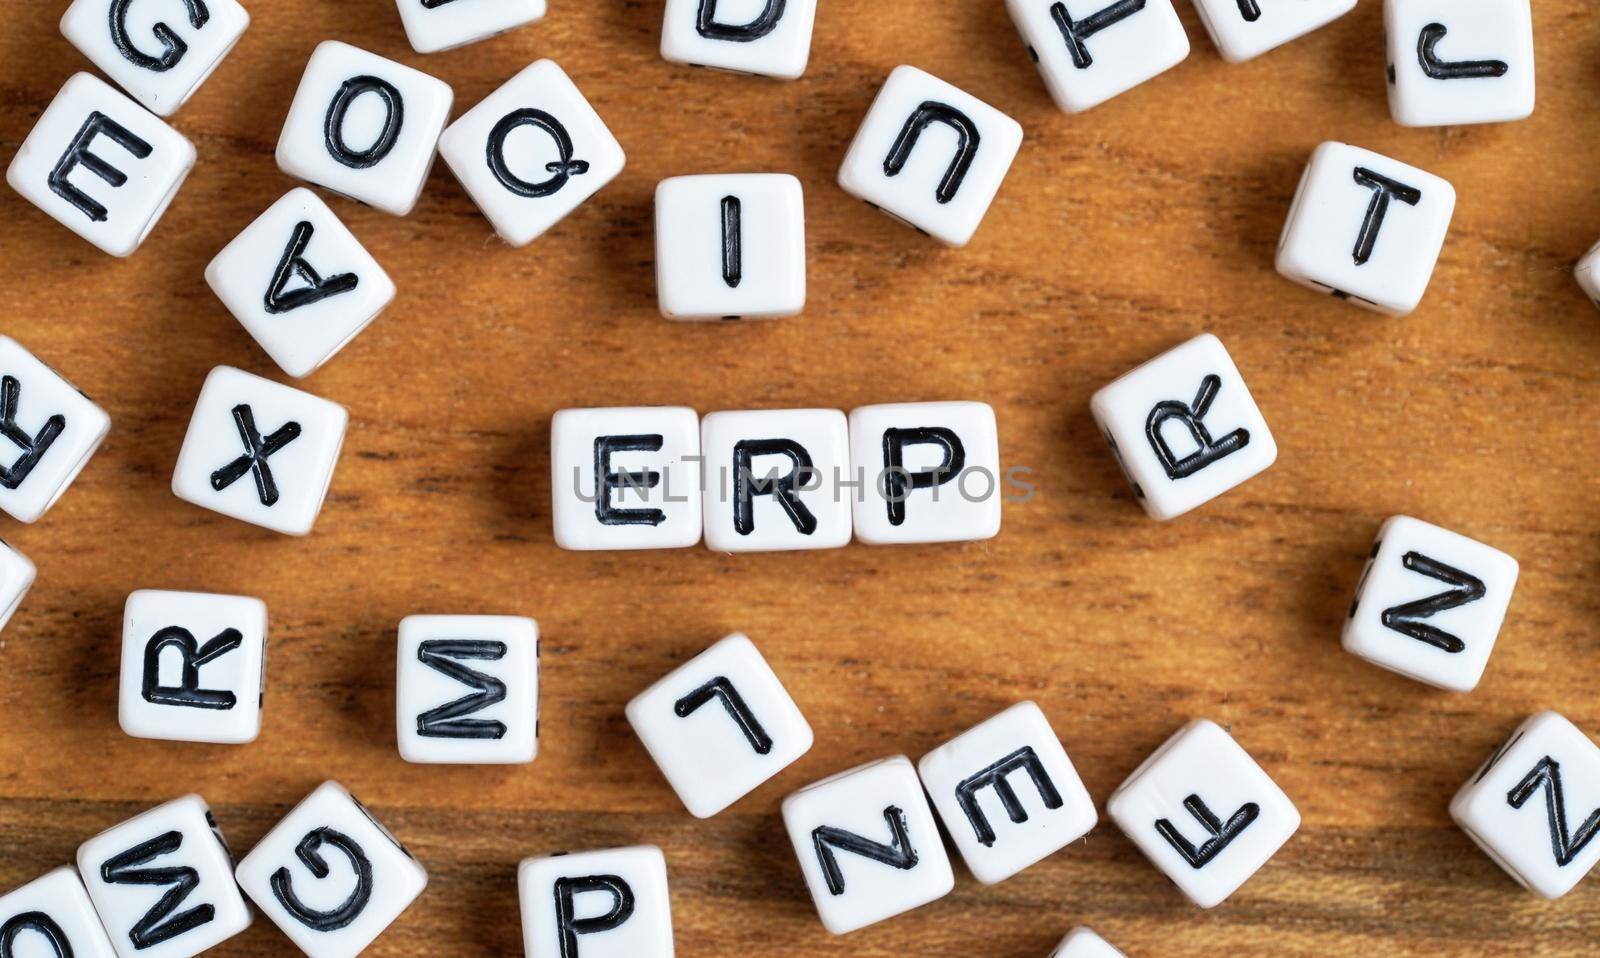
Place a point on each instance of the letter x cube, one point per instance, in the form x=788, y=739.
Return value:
x=1184, y=427
x=259, y=451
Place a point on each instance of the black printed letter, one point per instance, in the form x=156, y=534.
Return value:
x=605, y=481
x=33, y=447
x=1075, y=32
x=925, y=115
x=172, y=46
x=308, y=851
x=560, y=170
x=159, y=923
x=256, y=453
x=1382, y=189
x=762, y=25
x=188, y=691
x=1405, y=618
x=1438, y=69
x=1222, y=835
x=784, y=488
x=898, y=483
x=35, y=921
x=293, y=265
x=569, y=927
x=1022, y=760
x=333, y=123
x=897, y=854
x=732, y=237
x=721, y=688
x=1546, y=775
x=1208, y=450
x=446, y=721
x=78, y=155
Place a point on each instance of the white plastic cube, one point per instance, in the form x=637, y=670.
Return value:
x=159, y=53
x=1365, y=228
x=162, y=882
x=929, y=472
x=774, y=480
x=1204, y=812
x=1430, y=604
x=53, y=916
x=299, y=282
x=730, y=246
x=603, y=904
x=1587, y=276
x=930, y=155
x=720, y=725
x=193, y=666
x=1245, y=29
x=467, y=689
x=48, y=431
x=364, y=126
x=101, y=165
x=1083, y=943
x=531, y=152
x=259, y=451
x=766, y=37
x=1184, y=427
x=330, y=876
x=16, y=578
x=1088, y=51
x=1459, y=61
x=1534, y=806
x=1007, y=793
x=434, y=25
x=625, y=478
x=868, y=845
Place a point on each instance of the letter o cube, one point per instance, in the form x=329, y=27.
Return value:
x=364, y=126
x=1365, y=228
x=101, y=165
x=603, y=904
x=531, y=152
x=330, y=876
x=53, y=912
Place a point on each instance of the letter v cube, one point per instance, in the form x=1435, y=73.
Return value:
x=1184, y=427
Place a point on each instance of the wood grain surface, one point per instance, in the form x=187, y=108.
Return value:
x=1118, y=234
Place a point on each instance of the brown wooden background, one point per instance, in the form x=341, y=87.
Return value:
x=1118, y=234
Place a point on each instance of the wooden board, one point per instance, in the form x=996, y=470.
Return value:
x=1118, y=233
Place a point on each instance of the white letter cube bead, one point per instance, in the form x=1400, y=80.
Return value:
x=730, y=246
x=434, y=25
x=102, y=165
x=160, y=53
x=300, y=282
x=868, y=845
x=364, y=126
x=1088, y=51
x=1007, y=793
x=162, y=882
x=1204, y=812
x=1184, y=427
x=16, y=577
x=1083, y=943
x=929, y=472
x=649, y=495
x=53, y=915
x=259, y=451
x=605, y=904
x=330, y=876
x=773, y=480
x=1459, y=61
x=766, y=37
x=531, y=152
x=930, y=155
x=719, y=725
x=1430, y=604
x=1365, y=228
x=467, y=689
x=1245, y=29
x=48, y=431
x=193, y=666
x=1534, y=806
